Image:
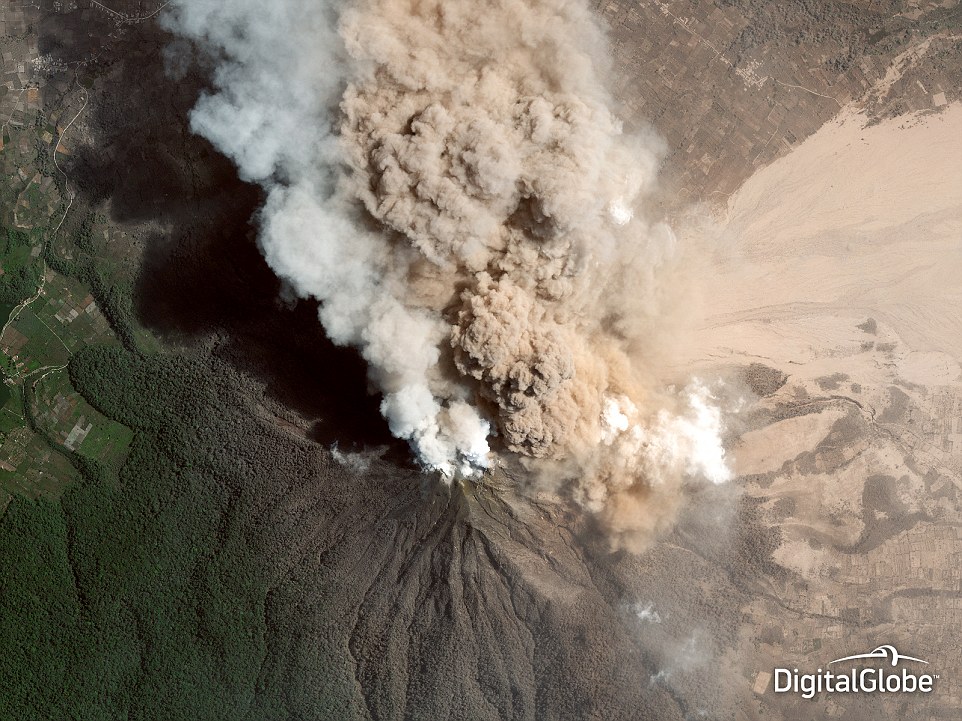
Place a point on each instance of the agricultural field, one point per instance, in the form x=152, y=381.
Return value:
x=69, y=421
x=31, y=467
x=44, y=419
x=46, y=317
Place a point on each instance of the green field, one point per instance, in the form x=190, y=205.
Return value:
x=31, y=467
x=11, y=412
x=47, y=428
x=63, y=415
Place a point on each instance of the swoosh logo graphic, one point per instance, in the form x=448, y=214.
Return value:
x=880, y=652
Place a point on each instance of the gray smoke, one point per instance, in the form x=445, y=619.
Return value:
x=448, y=180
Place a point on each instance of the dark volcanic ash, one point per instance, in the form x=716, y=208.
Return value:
x=448, y=180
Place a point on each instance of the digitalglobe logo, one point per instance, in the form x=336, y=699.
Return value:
x=859, y=677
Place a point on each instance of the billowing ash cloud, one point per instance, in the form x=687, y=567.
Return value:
x=447, y=179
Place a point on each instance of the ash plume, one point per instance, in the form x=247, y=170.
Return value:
x=449, y=181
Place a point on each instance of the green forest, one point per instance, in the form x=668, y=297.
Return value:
x=135, y=591
x=21, y=268
x=140, y=592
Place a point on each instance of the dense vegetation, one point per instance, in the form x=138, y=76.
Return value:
x=142, y=593
x=138, y=595
x=21, y=272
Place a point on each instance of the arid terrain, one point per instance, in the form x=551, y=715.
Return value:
x=838, y=272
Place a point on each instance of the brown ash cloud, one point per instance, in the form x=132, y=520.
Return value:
x=449, y=180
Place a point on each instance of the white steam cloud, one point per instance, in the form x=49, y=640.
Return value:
x=448, y=180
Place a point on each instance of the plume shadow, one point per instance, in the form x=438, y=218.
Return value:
x=202, y=279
